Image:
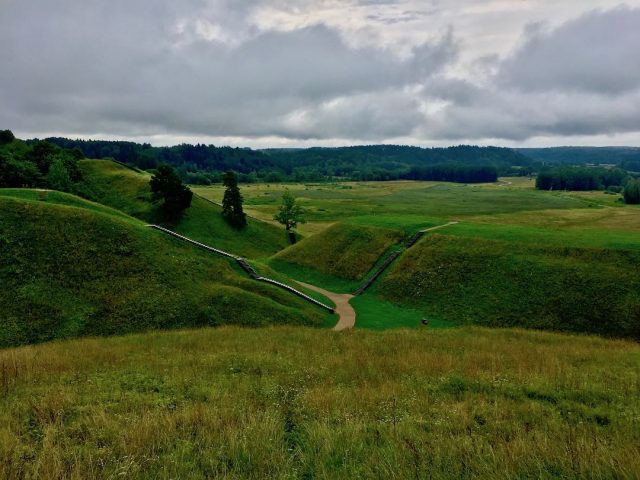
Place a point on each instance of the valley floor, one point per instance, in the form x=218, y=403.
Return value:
x=293, y=402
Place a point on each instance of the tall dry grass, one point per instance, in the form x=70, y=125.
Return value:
x=301, y=403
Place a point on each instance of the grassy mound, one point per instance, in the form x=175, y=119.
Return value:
x=78, y=270
x=119, y=187
x=499, y=283
x=302, y=403
x=342, y=250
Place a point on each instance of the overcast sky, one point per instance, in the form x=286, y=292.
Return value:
x=267, y=73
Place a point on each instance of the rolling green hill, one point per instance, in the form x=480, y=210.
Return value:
x=69, y=268
x=112, y=184
x=344, y=251
x=502, y=283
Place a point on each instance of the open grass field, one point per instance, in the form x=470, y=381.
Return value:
x=303, y=403
x=512, y=206
x=119, y=187
x=401, y=204
x=70, y=268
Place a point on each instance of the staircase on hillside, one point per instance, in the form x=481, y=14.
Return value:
x=245, y=266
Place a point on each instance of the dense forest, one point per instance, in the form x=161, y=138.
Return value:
x=203, y=164
x=454, y=172
x=582, y=178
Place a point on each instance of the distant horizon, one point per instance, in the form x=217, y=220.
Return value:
x=125, y=139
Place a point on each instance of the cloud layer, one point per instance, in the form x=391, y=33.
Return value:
x=324, y=72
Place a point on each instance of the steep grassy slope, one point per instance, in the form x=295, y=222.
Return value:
x=68, y=271
x=500, y=283
x=288, y=403
x=119, y=187
x=342, y=250
x=122, y=188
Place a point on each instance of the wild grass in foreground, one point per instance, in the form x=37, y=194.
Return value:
x=302, y=403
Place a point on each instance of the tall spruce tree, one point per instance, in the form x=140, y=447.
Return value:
x=232, y=202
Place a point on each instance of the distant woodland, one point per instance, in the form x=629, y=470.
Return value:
x=204, y=164
x=567, y=168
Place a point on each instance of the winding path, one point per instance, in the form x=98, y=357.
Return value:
x=438, y=227
x=346, y=313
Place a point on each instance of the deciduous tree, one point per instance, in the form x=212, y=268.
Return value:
x=58, y=176
x=167, y=187
x=632, y=192
x=290, y=213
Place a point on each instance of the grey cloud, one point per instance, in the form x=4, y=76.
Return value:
x=120, y=69
x=473, y=112
x=579, y=79
x=596, y=52
x=200, y=67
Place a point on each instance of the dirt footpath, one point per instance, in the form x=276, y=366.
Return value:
x=346, y=313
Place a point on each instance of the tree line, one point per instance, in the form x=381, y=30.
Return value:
x=453, y=172
x=614, y=180
x=206, y=164
x=580, y=178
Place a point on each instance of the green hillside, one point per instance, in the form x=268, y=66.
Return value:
x=112, y=184
x=501, y=283
x=288, y=403
x=70, y=267
x=343, y=250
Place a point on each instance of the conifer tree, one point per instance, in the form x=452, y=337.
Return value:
x=232, y=202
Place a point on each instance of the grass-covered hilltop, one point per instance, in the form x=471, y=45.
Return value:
x=492, y=327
